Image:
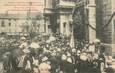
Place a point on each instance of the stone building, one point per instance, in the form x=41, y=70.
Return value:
x=85, y=20
x=106, y=21
x=19, y=23
x=65, y=9
x=58, y=14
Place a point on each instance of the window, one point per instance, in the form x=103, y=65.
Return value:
x=2, y=24
x=9, y=23
x=64, y=24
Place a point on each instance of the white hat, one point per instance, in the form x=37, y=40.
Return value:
x=97, y=41
x=73, y=50
x=23, y=38
x=45, y=58
x=34, y=45
x=64, y=57
x=78, y=52
x=26, y=51
x=69, y=60
x=58, y=50
x=53, y=54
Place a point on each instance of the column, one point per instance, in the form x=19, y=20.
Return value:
x=47, y=24
x=62, y=20
x=92, y=20
x=67, y=24
x=67, y=29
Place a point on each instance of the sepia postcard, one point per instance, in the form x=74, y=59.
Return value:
x=57, y=36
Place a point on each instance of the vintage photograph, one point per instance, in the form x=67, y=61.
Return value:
x=57, y=36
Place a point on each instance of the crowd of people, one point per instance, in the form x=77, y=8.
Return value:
x=52, y=55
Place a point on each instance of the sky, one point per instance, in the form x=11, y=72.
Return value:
x=21, y=6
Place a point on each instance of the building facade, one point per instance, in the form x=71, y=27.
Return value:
x=58, y=14
x=65, y=9
x=19, y=23
x=85, y=20
x=106, y=21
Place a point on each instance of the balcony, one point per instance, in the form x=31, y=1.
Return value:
x=48, y=11
x=66, y=4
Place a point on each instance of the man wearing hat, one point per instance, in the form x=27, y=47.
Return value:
x=25, y=59
x=24, y=43
x=22, y=47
